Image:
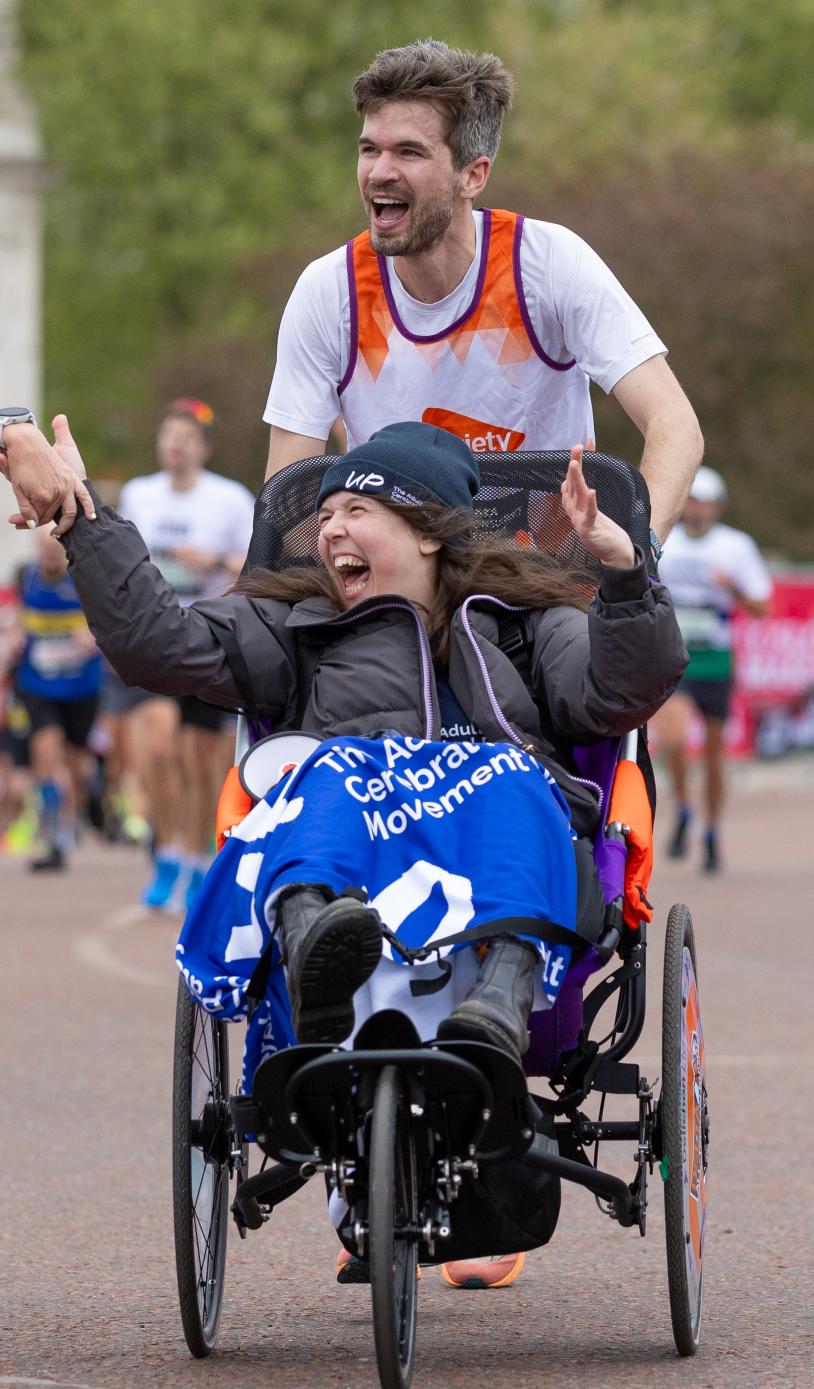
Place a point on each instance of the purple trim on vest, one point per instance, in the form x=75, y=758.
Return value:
x=354, y=320
x=468, y=311
x=524, y=312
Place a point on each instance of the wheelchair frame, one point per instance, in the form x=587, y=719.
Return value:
x=379, y=1121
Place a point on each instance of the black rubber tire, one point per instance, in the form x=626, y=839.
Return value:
x=684, y=1131
x=393, y=1259
x=201, y=1143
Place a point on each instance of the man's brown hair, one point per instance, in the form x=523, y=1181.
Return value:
x=472, y=91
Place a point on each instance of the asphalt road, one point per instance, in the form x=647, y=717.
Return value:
x=87, y=1293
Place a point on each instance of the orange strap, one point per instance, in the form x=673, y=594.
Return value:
x=497, y=308
x=630, y=805
x=234, y=805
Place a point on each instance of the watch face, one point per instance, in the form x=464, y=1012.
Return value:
x=14, y=412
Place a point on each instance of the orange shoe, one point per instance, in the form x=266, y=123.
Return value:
x=475, y=1274
x=349, y=1269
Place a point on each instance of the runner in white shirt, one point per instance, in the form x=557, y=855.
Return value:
x=711, y=570
x=197, y=526
x=479, y=321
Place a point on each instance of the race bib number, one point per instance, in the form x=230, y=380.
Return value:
x=55, y=656
x=702, y=627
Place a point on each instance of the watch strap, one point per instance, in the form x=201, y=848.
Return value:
x=21, y=416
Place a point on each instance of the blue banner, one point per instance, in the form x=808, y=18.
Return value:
x=441, y=836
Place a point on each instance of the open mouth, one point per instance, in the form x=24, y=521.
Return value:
x=387, y=212
x=353, y=574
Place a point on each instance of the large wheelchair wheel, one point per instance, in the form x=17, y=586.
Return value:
x=393, y=1231
x=684, y=1127
x=201, y=1148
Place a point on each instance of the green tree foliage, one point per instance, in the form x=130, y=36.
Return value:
x=203, y=152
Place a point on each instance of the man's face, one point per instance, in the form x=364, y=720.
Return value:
x=408, y=184
x=181, y=446
x=700, y=517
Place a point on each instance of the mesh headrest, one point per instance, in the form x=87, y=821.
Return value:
x=519, y=499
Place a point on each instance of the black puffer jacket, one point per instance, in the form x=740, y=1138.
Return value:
x=592, y=676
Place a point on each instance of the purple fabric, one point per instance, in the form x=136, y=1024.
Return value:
x=524, y=312
x=557, y=1029
x=598, y=763
x=468, y=311
x=354, y=320
x=610, y=856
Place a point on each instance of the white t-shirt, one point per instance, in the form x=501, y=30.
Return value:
x=688, y=568
x=576, y=307
x=215, y=515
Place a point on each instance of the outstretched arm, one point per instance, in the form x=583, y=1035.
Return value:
x=139, y=624
x=607, y=674
x=673, y=444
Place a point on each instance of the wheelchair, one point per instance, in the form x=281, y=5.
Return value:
x=399, y=1128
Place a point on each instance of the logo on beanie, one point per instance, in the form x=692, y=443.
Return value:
x=362, y=480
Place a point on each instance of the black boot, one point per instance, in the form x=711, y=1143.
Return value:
x=497, y=1007
x=330, y=948
x=50, y=859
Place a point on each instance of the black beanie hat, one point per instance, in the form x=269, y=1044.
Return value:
x=409, y=463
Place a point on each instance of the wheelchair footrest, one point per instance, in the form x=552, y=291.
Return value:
x=616, y=1077
x=247, y=1115
x=269, y=1188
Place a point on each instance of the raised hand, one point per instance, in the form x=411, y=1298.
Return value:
x=599, y=535
x=46, y=479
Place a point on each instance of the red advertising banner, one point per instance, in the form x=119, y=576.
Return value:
x=774, y=673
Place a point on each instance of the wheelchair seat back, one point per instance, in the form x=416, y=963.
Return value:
x=519, y=499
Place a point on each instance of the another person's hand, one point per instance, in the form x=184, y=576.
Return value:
x=85, y=645
x=46, y=479
x=600, y=536
x=201, y=560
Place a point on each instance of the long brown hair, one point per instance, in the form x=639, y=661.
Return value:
x=466, y=566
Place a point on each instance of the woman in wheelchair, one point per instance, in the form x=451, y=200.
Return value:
x=393, y=654
x=398, y=632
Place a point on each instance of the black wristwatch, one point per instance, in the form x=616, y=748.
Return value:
x=656, y=545
x=14, y=414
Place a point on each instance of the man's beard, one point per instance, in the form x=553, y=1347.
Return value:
x=428, y=223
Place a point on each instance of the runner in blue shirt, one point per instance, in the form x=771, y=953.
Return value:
x=57, y=682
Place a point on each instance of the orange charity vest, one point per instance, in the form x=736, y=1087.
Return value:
x=485, y=377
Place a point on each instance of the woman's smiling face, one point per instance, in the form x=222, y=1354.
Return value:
x=368, y=549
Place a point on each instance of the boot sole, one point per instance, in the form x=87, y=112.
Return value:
x=341, y=959
x=459, y=1029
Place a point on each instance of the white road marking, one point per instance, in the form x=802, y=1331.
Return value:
x=123, y=917
x=94, y=950
x=51, y=1383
